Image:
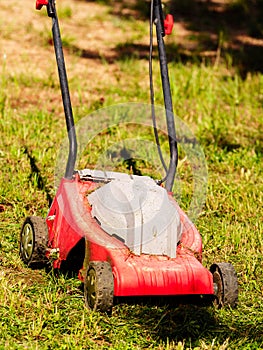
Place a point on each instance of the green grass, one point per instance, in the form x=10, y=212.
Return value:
x=42, y=310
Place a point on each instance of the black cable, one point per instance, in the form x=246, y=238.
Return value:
x=152, y=93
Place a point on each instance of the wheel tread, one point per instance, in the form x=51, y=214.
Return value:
x=104, y=286
x=229, y=283
x=38, y=257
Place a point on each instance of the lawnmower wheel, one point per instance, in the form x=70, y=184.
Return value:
x=225, y=284
x=98, y=286
x=33, y=242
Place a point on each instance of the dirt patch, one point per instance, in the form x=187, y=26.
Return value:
x=26, y=276
x=95, y=37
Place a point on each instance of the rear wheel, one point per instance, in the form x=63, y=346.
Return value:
x=33, y=242
x=225, y=284
x=98, y=286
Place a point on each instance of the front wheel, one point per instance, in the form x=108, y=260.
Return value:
x=98, y=286
x=33, y=242
x=225, y=284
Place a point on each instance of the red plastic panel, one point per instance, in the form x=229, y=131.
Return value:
x=168, y=24
x=40, y=3
x=146, y=275
x=69, y=220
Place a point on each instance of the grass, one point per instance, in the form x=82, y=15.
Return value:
x=44, y=310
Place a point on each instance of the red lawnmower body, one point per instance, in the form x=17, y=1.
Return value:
x=69, y=220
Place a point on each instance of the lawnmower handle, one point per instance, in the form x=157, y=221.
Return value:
x=168, y=24
x=41, y=3
x=51, y=11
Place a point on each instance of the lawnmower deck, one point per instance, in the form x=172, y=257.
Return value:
x=69, y=220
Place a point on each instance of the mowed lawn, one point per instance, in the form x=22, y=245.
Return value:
x=106, y=51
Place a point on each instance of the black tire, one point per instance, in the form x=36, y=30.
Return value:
x=98, y=286
x=226, y=284
x=33, y=242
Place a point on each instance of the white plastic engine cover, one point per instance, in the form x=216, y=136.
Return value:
x=139, y=212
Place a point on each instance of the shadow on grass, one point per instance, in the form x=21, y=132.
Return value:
x=231, y=30
x=149, y=321
x=189, y=324
x=168, y=319
x=36, y=175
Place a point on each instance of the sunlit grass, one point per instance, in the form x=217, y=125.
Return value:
x=42, y=310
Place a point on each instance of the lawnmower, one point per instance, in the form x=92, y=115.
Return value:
x=131, y=236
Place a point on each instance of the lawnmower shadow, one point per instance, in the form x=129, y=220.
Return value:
x=173, y=318
x=189, y=324
x=36, y=174
x=160, y=318
x=166, y=319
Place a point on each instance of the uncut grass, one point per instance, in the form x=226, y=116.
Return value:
x=40, y=310
x=230, y=224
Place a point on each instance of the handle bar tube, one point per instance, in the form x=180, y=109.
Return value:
x=72, y=155
x=158, y=14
